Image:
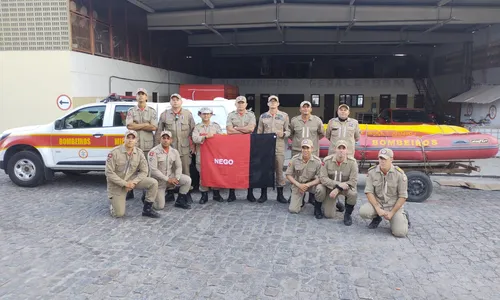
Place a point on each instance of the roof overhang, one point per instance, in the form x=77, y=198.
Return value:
x=321, y=15
x=482, y=94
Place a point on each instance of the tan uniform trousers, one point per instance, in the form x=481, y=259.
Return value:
x=279, y=161
x=203, y=188
x=117, y=199
x=184, y=183
x=399, y=222
x=186, y=162
x=330, y=205
x=296, y=199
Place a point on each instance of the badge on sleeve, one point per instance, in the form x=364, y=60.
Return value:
x=152, y=153
x=110, y=156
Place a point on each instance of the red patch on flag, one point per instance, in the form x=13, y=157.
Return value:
x=151, y=153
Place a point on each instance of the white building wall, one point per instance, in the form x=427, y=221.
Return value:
x=92, y=77
x=370, y=88
x=30, y=82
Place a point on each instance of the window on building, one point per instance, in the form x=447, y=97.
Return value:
x=155, y=97
x=401, y=101
x=128, y=93
x=353, y=100
x=291, y=100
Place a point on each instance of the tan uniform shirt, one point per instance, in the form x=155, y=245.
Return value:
x=199, y=133
x=333, y=174
x=311, y=129
x=304, y=172
x=279, y=122
x=181, y=125
x=347, y=130
x=122, y=168
x=165, y=165
x=139, y=116
x=387, y=189
x=236, y=120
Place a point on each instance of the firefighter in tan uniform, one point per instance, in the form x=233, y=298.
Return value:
x=180, y=123
x=303, y=173
x=275, y=121
x=127, y=169
x=387, y=191
x=339, y=176
x=240, y=121
x=166, y=167
x=202, y=131
x=343, y=128
x=306, y=126
x=142, y=119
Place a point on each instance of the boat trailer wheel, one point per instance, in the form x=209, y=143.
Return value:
x=419, y=186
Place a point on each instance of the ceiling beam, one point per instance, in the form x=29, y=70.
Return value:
x=443, y=2
x=142, y=5
x=320, y=15
x=209, y=4
x=380, y=50
x=295, y=36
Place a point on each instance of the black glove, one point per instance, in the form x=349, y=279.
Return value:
x=338, y=187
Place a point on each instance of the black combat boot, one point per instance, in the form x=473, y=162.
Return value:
x=281, y=198
x=408, y=218
x=217, y=197
x=182, y=202
x=204, y=197
x=263, y=195
x=250, y=196
x=340, y=206
x=312, y=198
x=317, y=210
x=169, y=196
x=232, y=196
x=148, y=211
x=130, y=195
x=143, y=197
x=189, y=198
x=347, y=215
x=375, y=222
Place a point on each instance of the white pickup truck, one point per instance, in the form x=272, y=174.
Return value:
x=79, y=142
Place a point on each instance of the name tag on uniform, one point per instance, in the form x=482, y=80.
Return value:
x=351, y=125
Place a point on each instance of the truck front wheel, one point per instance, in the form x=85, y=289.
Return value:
x=25, y=169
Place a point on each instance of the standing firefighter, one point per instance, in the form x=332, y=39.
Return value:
x=343, y=128
x=127, y=169
x=306, y=126
x=166, y=167
x=202, y=131
x=180, y=123
x=387, y=191
x=339, y=175
x=240, y=121
x=275, y=121
x=142, y=119
x=303, y=173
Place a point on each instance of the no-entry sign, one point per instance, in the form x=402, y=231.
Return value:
x=63, y=102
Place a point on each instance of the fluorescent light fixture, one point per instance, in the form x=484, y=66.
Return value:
x=400, y=54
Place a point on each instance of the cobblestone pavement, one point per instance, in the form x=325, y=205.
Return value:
x=59, y=242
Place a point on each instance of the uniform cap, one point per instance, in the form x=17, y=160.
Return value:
x=206, y=110
x=307, y=143
x=344, y=105
x=141, y=90
x=304, y=103
x=341, y=143
x=241, y=99
x=271, y=98
x=166, y=132
x=176, y=95
x=132, y=132
x=386, y=153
